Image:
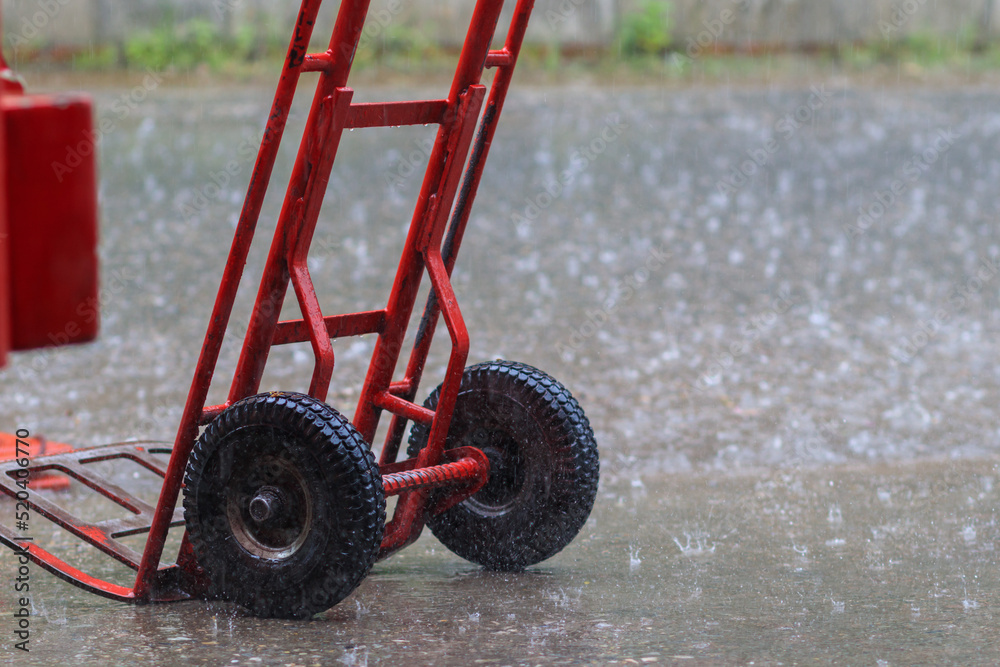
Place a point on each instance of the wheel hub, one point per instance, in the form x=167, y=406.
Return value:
x=268, y=503
x=270, y=520
x=506, y=471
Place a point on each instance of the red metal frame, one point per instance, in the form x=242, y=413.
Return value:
x=435, y=235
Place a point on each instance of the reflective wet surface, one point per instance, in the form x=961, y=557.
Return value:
x=775, y=304
x=849, y=564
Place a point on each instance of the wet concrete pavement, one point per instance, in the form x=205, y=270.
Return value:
x=794, y=398
x=845, y=565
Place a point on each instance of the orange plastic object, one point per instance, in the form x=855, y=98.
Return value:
x=51, y=248
x=36, y=447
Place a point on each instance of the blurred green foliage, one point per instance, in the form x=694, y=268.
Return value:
x=922, y=48
x=185, y=46
x=180, y=46
x=644, y=46
x=647, y=31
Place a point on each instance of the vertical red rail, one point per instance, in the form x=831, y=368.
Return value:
x=221, y=312
x=428, y=233
x=426, y=217
x=407, y=520
x=460, y=218
x=300, y=208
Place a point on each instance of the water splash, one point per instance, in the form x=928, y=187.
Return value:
x=700, y=547
x=633, y=558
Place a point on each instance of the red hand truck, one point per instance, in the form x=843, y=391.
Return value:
x=284, y=504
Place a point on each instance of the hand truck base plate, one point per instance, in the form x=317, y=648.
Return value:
x=77, y=465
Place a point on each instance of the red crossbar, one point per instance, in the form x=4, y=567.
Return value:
x=393, y=114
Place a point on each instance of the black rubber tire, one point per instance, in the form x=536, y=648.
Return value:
x=318, y=498
x=543, y=466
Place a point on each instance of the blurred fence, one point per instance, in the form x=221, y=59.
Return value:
x=729, y=24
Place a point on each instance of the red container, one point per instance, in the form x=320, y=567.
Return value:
x=51, y=192
x=4, y=273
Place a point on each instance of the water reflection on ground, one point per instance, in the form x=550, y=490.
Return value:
x=848, y=564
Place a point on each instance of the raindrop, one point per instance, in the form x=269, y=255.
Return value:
x=834, y=515
x=633, y=559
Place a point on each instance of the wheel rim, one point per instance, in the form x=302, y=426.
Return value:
x=507, y=469
x=269, y=507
